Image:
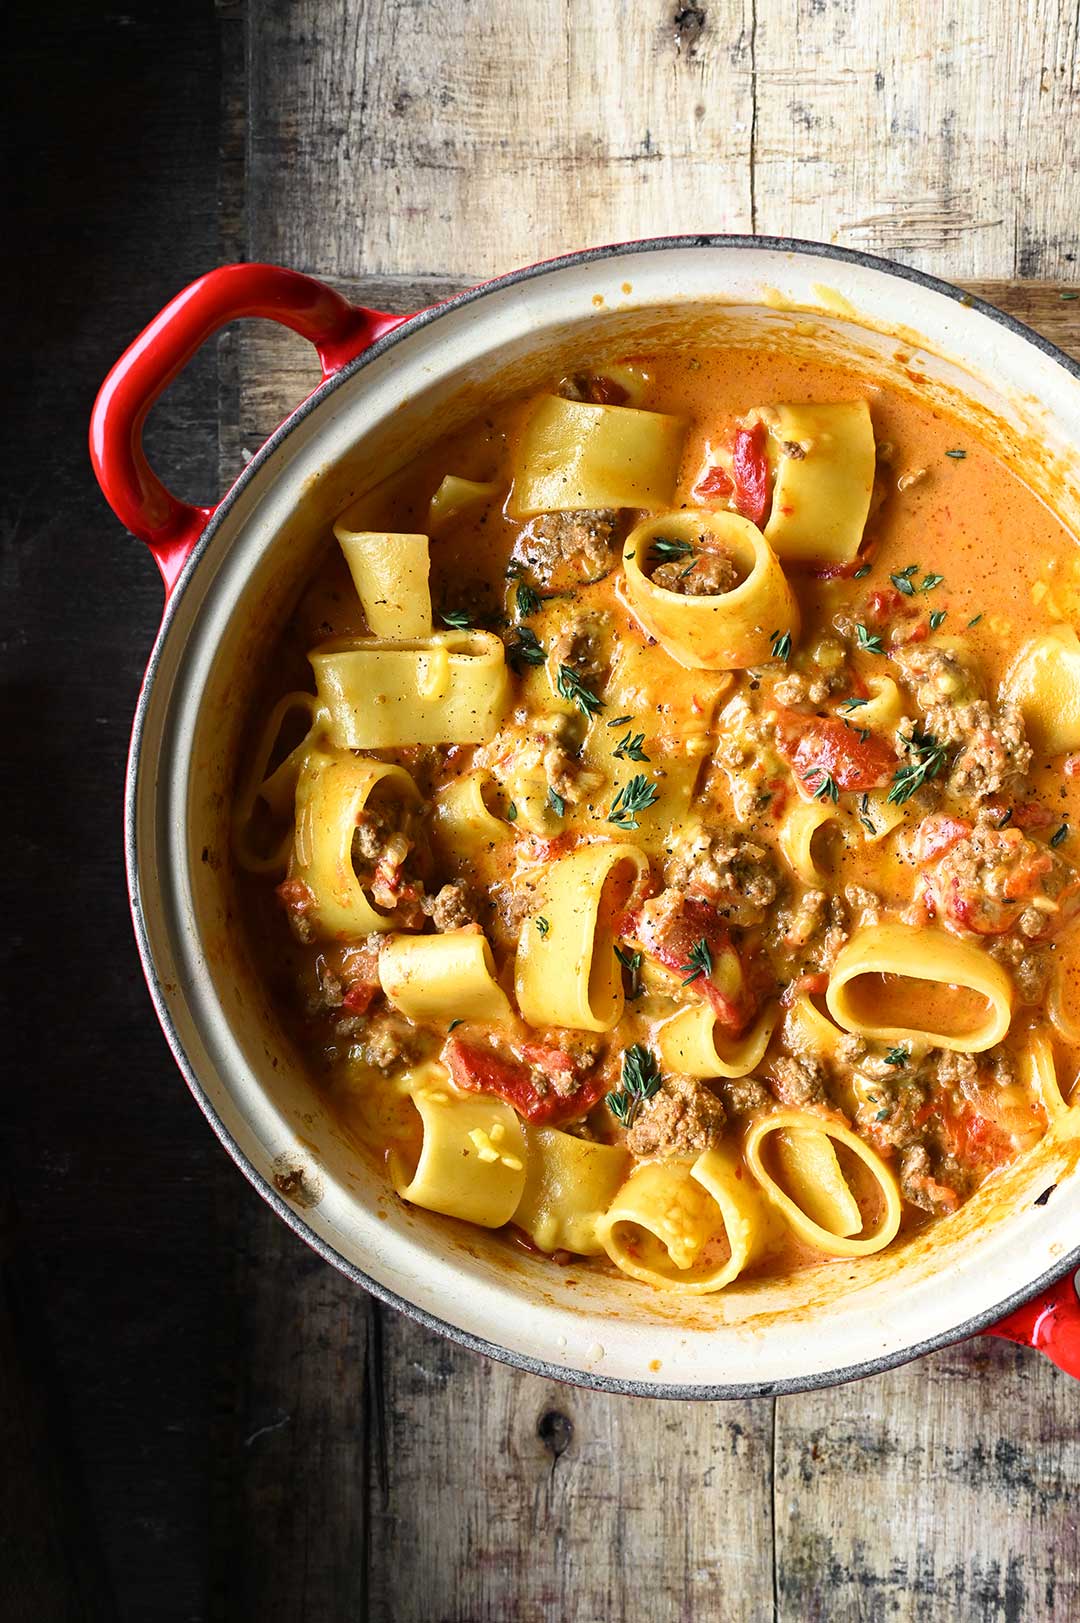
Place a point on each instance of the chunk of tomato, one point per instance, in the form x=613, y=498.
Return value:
x=673, y=937
x=816, y=746
x=479, y=1068
x=750, y=473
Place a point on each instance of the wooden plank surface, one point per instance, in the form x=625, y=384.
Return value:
x=201, y=1420
x=448, y=136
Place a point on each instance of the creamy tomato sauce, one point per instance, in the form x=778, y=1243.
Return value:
x=959, y=564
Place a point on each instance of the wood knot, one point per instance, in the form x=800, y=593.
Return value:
x=555, y=1431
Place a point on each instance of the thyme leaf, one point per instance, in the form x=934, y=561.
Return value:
x=556, y=802
x=571, y=687
x=640, y=1081
x=781, y=644
x=629, y=748
x=458, y=619
x=867, y=640
x=698, y=963
x=525, y=650
x=926, y=759
x=636, y=795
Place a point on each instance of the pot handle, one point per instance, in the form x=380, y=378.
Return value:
x=143, y=504
x=1050, y=1323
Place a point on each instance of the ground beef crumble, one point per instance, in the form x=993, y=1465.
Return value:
x=797, y=1082
x=709, y=574
x=451, y=908
x=581, y=540
x=722, y=866
x=683, y=1119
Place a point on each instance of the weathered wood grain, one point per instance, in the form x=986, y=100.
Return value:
x=946, y=1490
x=450, y=137
x=543, y=1502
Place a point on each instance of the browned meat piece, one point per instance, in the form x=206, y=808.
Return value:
x=745, y=1094
x=888, y=1117
x=797, y=1082
x=993, y=756
x=450, y=908
x=682, y=1120
x=581, y=540
x=993, y=880
x=581, y=644
x=814, y=930
x=1029, y=966
x=954, y=1070
x=385, y=853
x=709, y=574
x=919, y=1186
x=737, y=875
x=388, y=1041
x=935, y=675
x=865, y=903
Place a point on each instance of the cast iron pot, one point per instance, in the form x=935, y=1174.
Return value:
x=390, y=384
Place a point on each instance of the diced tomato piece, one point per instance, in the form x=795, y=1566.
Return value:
x=480, y=1069
x=716, y=484
x=938, y=834
x=672, y=941
x=818, y=745
x=358, y=997
x=1071, y=765
x=976, y=1139
x=750, y=472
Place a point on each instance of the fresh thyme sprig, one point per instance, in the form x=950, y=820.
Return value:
x=631, y=962
x=571, y=687
x=1061, y=834
x=827, y=788
x=853, y=704
x=780, y=642
x=937, y=618
x=527, y=649
x=867, y=641
x=640, y=1081
x=527, y=601
x=897, y=1056
x=664, y=550
x=458, y=620
x=636, y=795
x=927, y=757
x=698, y=963
x=556, y=802
x=630, y=748
x=542, y=924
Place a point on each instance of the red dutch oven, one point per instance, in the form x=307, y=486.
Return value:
x=1005, y=1264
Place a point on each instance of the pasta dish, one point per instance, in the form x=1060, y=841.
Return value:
x=658, y=826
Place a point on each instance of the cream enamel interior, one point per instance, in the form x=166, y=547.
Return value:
x=806, y=1327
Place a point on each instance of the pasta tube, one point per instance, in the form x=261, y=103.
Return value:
x=969, y=1010
x=694, y=1043
x=390, y=573
x=1044, y=680
x=456, y=496
x=471, y=1162
x=443, y=977
x=569, y=1185
x=821, y=494
x=811, y=1192
x=331, y=793
x=276, y=790
x=572, y=455
x=566, y=972
x=670, y=1224
x=464, y=823
x=450, y=688
x=731, y=630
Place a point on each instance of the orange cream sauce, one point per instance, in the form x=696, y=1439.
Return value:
x=1005, y=560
